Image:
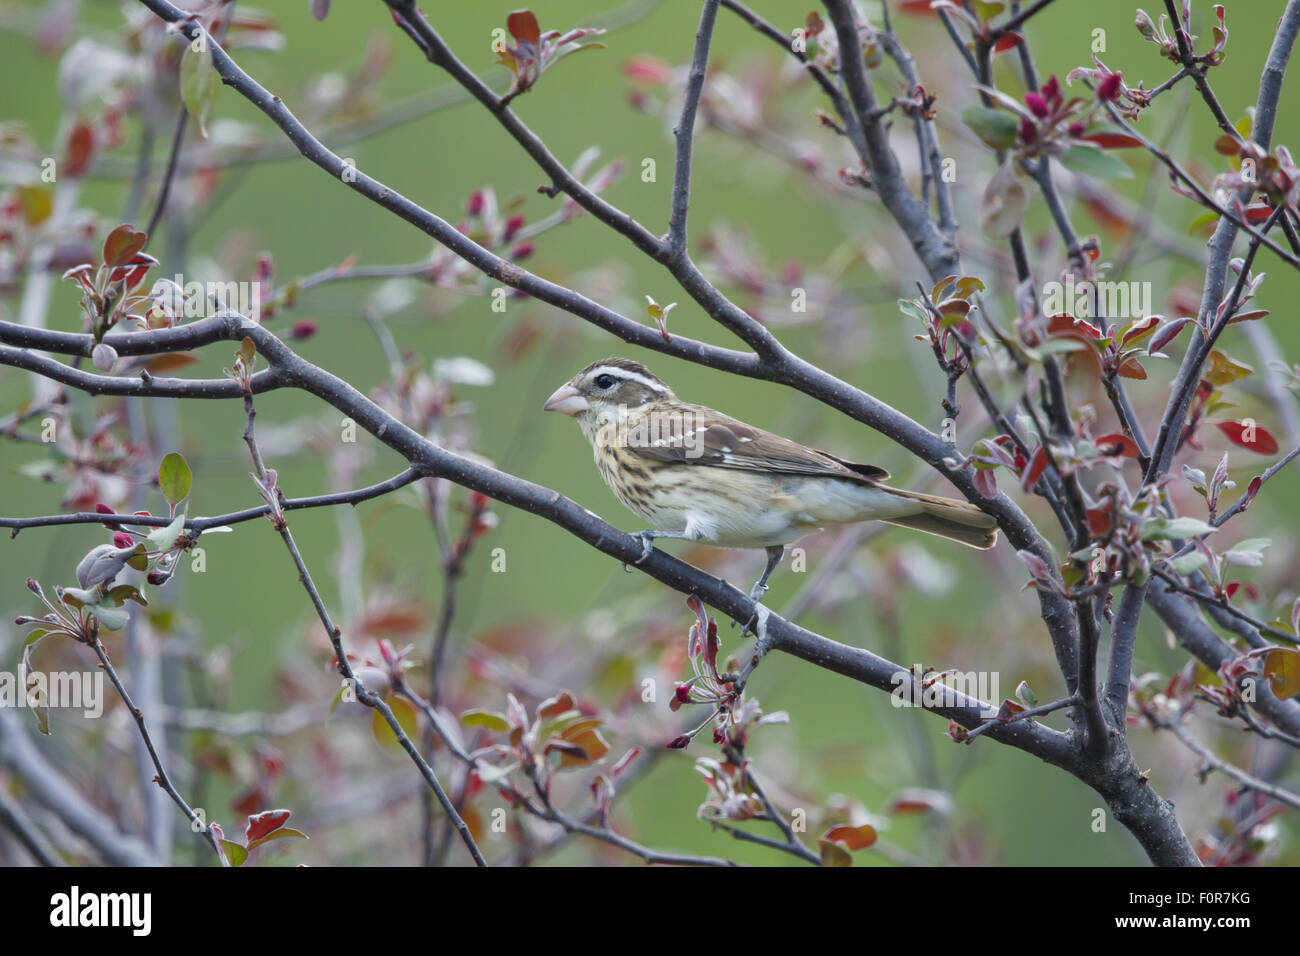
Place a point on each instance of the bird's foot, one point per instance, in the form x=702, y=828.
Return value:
x=647, y=545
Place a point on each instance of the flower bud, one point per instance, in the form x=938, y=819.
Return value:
x=1108, y=89
x=103, y=356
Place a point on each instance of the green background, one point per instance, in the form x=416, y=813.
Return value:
x=1010, y=807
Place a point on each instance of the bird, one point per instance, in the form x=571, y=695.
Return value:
x=694, y=473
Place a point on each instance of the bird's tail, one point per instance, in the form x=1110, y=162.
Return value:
x=957, y=521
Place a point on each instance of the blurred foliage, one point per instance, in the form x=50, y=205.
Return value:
x=842, y=738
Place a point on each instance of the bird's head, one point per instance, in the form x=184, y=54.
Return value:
x=605, y=391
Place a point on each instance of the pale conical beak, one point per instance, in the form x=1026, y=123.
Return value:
x=566, y=400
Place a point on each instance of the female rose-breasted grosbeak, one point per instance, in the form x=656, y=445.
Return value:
x=694, y=473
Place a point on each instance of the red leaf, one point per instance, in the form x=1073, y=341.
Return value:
x=81, y=147
x=1069, y=326
x=1166, y=335
x=1007, y=42
x=1098, y=521
x=1117, y=445
x=554, y=706
x=1009, y=709
x=1258, y=212
x=855, y=838
x=1227, y=145
x=1131, y=368
x=122, y=244
x=1251, y=491
x=1249, y=436
x=261, y=824
x=522, y=25
x=1035, y=470
x=1232, y=589
x=986, y=482
x=1113, y=140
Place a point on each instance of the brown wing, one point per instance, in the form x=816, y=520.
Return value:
x=701, y=436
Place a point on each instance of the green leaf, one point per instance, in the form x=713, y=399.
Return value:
x=161, y=539
x=405, y=716
x=199, y=82
x=1093, y=162
x=235, y=852
x=78, y=598
x=1169, y=528
x=277, y=835
x=174, y=478
x=126, y=592
x=487, y=719
x=996, y=128
x=1253, y=544
x=113, y=618
x=1187, y=563
x=834, y=855
x=1282, y=665
x=913, y=311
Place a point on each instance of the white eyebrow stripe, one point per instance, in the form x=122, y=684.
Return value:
x=632, y=376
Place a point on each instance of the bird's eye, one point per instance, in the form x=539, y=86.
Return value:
x=604, y=381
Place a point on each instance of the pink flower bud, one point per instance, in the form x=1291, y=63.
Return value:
x=123, y=540
x=1076, y=129
x=513, y=225
x=1051, y=89
x=679, y=743
x=1037, y=105
x=682, y=693
x=302, y=330
x=522, y=251
x=1108, y=89
x=474, y=205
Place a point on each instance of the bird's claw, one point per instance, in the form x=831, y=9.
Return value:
x=647, y=545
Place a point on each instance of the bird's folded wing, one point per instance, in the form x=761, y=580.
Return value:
x=695, y=435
